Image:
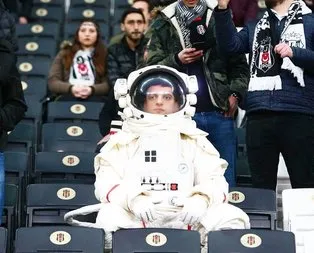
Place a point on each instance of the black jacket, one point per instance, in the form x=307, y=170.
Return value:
x=7, y=26
x=24, y=10
x=12, y=103
x=122, y=60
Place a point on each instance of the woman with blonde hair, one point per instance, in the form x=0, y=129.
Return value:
x=79, y=71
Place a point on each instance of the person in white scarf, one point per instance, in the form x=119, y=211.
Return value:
x=160, y=170
x=79, y=70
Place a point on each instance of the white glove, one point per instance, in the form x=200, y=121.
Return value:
x=143, y=208
x=194, y=209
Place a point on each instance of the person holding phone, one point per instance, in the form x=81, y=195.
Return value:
x=183, y=37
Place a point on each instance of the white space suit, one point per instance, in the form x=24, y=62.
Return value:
x=164, y=160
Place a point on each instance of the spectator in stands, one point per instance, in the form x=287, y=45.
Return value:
x=123, y=57
x=79, y=71
x=12, y=104
x=160, y=170
x=145, y=7
x=280, y=98
x=183, y=37
x=243, y=11
x=20, y=9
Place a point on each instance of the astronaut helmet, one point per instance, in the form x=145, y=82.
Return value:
x=157, y=91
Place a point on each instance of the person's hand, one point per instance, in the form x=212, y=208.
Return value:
x=85, y=92
x=284, y=50
x=223, y=4
x=143, y=208
x=194, y=209
x=23, y=20
x=189, y=55
x=233, y=106
x=76, y=91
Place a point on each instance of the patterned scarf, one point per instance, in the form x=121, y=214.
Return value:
x=186, y=15
x=265, y=65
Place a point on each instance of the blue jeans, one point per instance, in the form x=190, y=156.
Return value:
x=1, y=183
x=221, y=133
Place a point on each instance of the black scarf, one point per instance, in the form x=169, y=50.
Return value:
x=265, y=65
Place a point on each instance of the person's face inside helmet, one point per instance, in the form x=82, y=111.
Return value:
x=160, y=100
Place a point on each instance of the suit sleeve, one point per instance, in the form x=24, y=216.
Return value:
x=111, y=185
x=209, y=173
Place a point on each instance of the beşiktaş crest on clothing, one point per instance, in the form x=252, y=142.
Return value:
x=265, y=67
x=185, y=17
x=82, y=69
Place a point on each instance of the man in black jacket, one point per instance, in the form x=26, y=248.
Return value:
x=12, y=103
x=124, y=56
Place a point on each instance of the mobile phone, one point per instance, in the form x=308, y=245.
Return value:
x=199, y=45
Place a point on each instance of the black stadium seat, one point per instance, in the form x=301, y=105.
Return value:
x=259, y=204
x=61, y=137
x=75, y=111
x=99, y=14
x=3, y=240
x=46, y=204
x=251, y=241
x=48, y=13
x=66, y=167
x=38, y=46
x=31, y=30
x=90, y=3
x=155, y=240
x=59, y=239
x=32, y=66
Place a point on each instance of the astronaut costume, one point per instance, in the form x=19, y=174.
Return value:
x=160, y=170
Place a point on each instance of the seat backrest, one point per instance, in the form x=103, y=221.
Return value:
x=78, y=13
x=38, y=46
x=73, y=111
x=155, y=240
x=34, y=111
x=3, y=240
x=32, y=30
x=16, y=166
x=35, y=86
x=80, y=137
x=86, y=3
x=10, y=213
x=67, y=167
x=251, y=241
x=59, y=239
x=298, y=215
x=48, y=13
x=46, y=204
x=121, y=4
x=48, y=3
x=259, y=204
x=32, y=66
x=22, y=138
